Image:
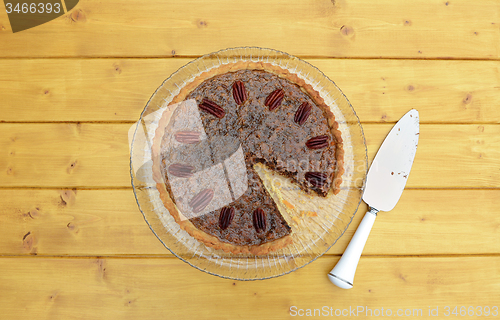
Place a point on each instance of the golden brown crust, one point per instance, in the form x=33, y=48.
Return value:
x=184, y=223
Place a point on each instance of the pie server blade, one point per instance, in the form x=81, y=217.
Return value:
x=385, y=183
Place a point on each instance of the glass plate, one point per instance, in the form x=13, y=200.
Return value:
x=316, y=222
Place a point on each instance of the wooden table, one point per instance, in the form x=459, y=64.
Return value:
x=74, y=244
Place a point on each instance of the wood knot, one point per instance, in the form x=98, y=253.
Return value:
x=118, y=68
x=72, y=166
x=101, y=268
x=201, y=24
x=72, y=227
x=53, y=296
x=78, y=16
x=346, y=30
x=30, y=242
x=410, y=88
x=467, y=99
x=408, y=23
x=34, y=213
x=129, y=302
x=67, y=197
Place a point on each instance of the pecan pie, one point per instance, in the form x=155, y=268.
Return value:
x=213, y=133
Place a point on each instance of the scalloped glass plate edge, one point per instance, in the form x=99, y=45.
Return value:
x=248, y=267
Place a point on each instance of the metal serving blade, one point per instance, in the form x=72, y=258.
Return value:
x=385, y=183
x=389, y=170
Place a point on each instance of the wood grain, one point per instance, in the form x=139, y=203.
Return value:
x=449, y=156
x=109, y=223
x=64, y=155
x=54, y=288
x=73, y=243
x=37, y=90
x=341, y=28
x=97, y=155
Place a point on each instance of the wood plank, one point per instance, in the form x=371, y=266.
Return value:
x=109, y=223
x=70, y=155
x=355, y=28
x=44, y=288
x=118, y=89
x=75, y=222
x=449, y=156
x=65, y=155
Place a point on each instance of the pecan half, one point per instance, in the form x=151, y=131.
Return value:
x=302, y=113
x=259, y=220
x=317, y=179
x=201, y=200
x=225, y=217
x=212, y=108
x=181, y=170
x=274, y=99
x=188, y=137
x=239, y=92
x=317, y=142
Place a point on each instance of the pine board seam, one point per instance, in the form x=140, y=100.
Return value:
x=130, y=188
x=451, y=123
x=79, y=122
x=171, y=256
x=199, y=56
x=65, y=187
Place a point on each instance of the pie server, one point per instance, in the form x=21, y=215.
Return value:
x=385, y=183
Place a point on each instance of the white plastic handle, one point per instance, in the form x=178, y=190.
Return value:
x=343, y=273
